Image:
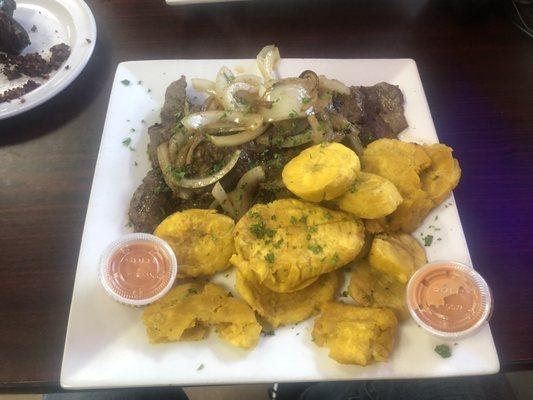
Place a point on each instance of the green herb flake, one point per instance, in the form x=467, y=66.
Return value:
x=315, y=248
x=177, y=174
x=126, y=142
x=273, y=217
x=217, y=166
x=344, y=294
x=312, y=229
x=335, y=258
x=260, y=230
x=192, y=291
x=294, y=221
x=443, y=350
x=200, y=367
x=125, y=82
x=328, y=216
x=303, y=219
x=129, y=224
x=428, y=239
x=268, y=333
x=293, y=114
x=162, y=188
x=270, y=257
x=306, y=100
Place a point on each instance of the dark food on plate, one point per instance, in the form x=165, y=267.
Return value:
x=13, y=37
x=33, y=64
x=15, y=93
x=377, y=110
x=279, y=157
x=195, y=146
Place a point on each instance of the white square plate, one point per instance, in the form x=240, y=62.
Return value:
x=106, y=344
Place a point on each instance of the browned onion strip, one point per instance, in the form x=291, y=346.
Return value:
x=194, y=142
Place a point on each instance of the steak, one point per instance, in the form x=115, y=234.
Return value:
x=151, y=203
x=175, y=100
x=377, y=110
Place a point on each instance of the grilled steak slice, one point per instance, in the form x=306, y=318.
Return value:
x=151, y=203
x=377, y=110
x=158, y=134
x=175, y=99
x=384, y=113
x=350, y=107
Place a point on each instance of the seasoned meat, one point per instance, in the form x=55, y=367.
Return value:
x=384, y=112
x=151, y=203
x=175, y=100
x=158, y=134
x=350, y=107
x=13, y=37
x=172, y=111
x=377, y=110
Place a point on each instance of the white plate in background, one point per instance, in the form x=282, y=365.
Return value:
x=57, y=21
x=106, y=343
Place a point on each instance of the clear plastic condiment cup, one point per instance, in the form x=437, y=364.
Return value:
x=138, y=269
x=449, y=300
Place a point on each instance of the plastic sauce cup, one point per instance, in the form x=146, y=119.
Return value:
x=449, y=300
x=138, y=269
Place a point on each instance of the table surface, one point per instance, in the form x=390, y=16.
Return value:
x=476, y=68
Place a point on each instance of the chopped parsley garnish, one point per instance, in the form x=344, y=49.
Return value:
x=312, y=229
x=273, y=217
x=223, y=116
x=270, y=257
x=217, y=166
x=192, y=291
x=126, y=142
x=278, y=244
x=162, y=188
x=294, y=221
x=200, y=367
x=428, y=239
x=344, y=294
x=260, y=230
x=328, y=216
x=177, y=174
x=353, y=188
x=303, y=219
x=125, y=82
x=306, y=100
x=268, y=333
x=293, y=114
x=443, y=350
x=335, y=258
x=315, y=248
